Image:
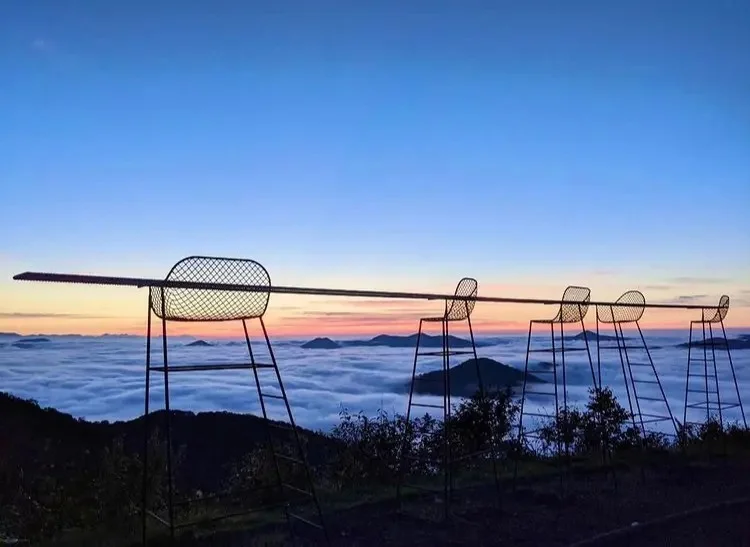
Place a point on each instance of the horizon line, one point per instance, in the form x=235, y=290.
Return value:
x=329, y=335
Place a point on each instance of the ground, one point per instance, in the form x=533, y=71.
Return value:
x=540, y=512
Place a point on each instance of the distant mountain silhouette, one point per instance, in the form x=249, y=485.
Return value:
x=198, y=343
x=463, y=377
x=741, y=342
x=29, y=343
x=592, y=337
x=13, y=334
x=410, y=341
x=321, y=343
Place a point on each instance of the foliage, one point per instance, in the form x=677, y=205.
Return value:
x=371, y=448
x=58, y=473
x=601, y=425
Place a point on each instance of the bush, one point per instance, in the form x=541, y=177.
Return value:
x=370, y=448
x=601, y=426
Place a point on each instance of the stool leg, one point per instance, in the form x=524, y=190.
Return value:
x=168, y=421
x=480, y=385
x=687, y=382
x=144, y=499
x=519, y=444
x=734, y=376
x=447, y=421
x=716, y=374
x=405, y=440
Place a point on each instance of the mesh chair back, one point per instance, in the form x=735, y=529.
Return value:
x=717, y=315
x=458, y=310
x=573, y=313
x=181, y=304
x=623, y=314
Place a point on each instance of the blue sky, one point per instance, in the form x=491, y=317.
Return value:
x=366, y=144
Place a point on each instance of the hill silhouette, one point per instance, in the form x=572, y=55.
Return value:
x=741, y=342
x=321, y=343
x=463, y=378
x=198, y=343
x=591, y=336
x=33, y=437
x=410, y=341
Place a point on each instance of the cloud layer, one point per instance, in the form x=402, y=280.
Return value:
x=103, y=378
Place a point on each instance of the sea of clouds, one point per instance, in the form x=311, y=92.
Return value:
x=102, y=378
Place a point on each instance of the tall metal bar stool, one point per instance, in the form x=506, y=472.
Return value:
x=208, y=305
x=573, y=310
x=699, y=394
x=456, y=310
x=618, y=316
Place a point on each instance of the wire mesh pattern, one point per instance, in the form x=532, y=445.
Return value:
x=460, y=310
x=187, y=304
x=716, y=315
x=571, y=313
x=623, y=314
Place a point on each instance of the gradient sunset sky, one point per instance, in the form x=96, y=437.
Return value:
x=388, y=145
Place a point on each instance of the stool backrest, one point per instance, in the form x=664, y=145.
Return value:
x=623, y=314
x=187, y=304
x=717, y=315
x=458, y=310
x=573, y=313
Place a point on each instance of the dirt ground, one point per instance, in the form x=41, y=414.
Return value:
x=540, y=513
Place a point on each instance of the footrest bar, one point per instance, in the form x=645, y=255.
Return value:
x=425, y=405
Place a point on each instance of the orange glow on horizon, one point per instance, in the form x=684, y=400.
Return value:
x=340, y=323
x=60, y=309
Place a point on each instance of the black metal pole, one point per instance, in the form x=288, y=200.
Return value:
x=145, y=421
x=167, y=417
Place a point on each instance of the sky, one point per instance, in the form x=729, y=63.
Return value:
x=384, y=145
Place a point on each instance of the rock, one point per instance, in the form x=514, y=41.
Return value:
x=321, y=343
x=463, y=377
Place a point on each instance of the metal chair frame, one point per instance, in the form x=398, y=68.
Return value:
x=710, y=316
x=618, y=316
x=455, y=311
x=568, y=313
x=208, y=305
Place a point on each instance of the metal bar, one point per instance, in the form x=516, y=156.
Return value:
x=298, y=442
x=405, y=438
x=523, y=400
x=144, y=512
x=425, y=405
x=441, y=353
x=140, y=282
x=218, y=366
x=734, y=376
x=165, y=369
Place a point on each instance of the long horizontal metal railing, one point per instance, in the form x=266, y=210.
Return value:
x=141, y=282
